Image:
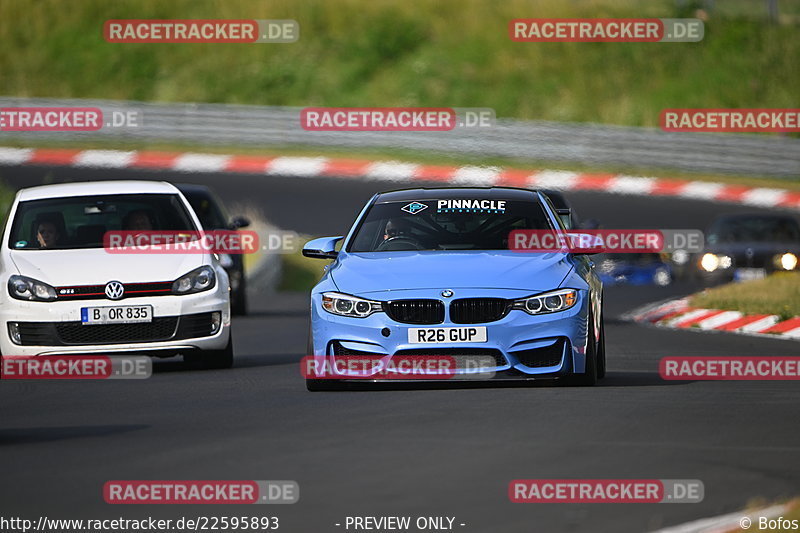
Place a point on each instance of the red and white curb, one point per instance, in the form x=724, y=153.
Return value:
x=678, y=314
x=396, y=171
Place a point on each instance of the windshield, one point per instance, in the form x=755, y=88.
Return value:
x=446, y=224
x=81, y=221
x=756, y=229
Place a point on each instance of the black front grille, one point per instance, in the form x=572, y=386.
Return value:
x=160, y=329
x=193, y=326
x=542, y=357
x=478, y=310
x=97, y=292
x=458, y=353
x=76, y=334
x=340, y=350
x=415, y=311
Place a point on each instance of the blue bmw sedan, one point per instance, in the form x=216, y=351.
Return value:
x=429, y=272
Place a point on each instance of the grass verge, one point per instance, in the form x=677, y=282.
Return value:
x=778, y=294
x=397, y=53
x=299, y=273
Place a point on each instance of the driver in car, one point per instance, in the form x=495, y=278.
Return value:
x=396, y=227
x=47, y=234
x=137, y=220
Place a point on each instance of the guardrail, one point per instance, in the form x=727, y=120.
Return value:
x=587, y=144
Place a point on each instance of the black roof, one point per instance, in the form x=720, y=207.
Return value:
x=500, y=193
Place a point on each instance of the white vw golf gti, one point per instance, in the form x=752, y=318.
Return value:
x=66, y=294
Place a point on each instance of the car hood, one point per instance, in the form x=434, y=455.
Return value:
x=96, y=266
x=364, y=273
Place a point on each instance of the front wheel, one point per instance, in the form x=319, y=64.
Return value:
x=239, y=300
x=216, y=359
x=601, y=350
x=590, y=371
x=316, y=385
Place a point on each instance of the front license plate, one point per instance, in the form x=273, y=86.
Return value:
x=446, y=335
x=126, y=314
x=744, y=274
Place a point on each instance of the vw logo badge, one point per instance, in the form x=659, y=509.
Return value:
x=447, y=293
x=114, y=290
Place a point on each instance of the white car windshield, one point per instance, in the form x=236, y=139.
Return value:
x=82, y=221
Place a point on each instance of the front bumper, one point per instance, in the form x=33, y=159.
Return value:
x=523, y=346
x=178, y=323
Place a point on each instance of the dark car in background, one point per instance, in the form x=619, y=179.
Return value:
x=213, y=216
x=645, y=268
x=749, y=246
x=567, y=213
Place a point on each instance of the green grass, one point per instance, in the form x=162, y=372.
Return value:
x=6, y=199
x=754, y=506
x=778, y=294
x=394, y=52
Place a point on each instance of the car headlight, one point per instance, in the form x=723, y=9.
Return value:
x=680, y=257
x=711, y=262
x=787, y=261
x=198, y=280
x=346, y=305
x=548, y=302
x=25, y=288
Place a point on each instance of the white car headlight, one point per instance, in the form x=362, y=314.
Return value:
x=346, y=305
x=198, y=280
x=548, y=302
x=787, y=261
x=711, y=262
x=680, y=257
x=25, y=288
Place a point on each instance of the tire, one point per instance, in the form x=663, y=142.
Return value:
x=239, y=303
x=601, y=349
x=218, y=359
x=316, y=385
x=590, y=374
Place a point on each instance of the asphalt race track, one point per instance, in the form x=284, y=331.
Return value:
x=433, y=452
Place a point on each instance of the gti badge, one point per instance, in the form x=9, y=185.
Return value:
x=447, y=293
x=414, y=208
x=114, y=290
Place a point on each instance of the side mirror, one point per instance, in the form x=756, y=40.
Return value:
x=238, y=222
x=584, y=238
x=322, y=248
